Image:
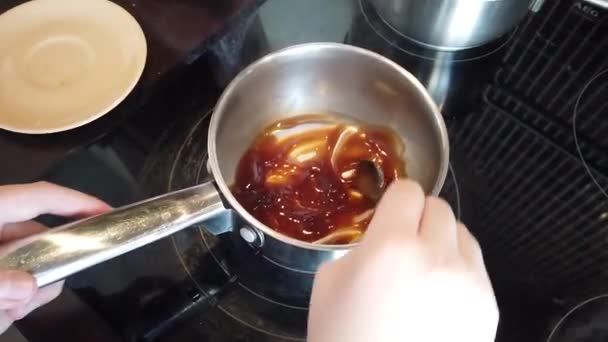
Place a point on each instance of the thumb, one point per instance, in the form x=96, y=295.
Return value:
x=16, y=288
x=398, y=214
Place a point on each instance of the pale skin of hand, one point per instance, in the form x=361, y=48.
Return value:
x=19, y=205
x=418, y=275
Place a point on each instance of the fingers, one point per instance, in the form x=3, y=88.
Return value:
x=14, y=231
x=16, y=288
x=42, y=297
x=19, y=296
x=23, y=202
x=469, y=247
x=399, y=212
x=404, y=213
x=20, y=203
x=5, y=321
x=438, y=225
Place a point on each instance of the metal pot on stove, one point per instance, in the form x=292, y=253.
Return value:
x=318, y=77
x=454, y=24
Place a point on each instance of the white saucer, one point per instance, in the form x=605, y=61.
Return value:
x=65, y=63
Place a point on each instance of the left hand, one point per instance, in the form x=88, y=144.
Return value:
x=19, y=204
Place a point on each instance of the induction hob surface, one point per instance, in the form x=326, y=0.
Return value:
x=528, y=125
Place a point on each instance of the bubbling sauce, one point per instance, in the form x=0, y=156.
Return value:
x=296, y=177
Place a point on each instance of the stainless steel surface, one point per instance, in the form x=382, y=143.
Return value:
x=333, y=79
x=599, y=3
x=369, y=179
x=536, y=5
x=60, y=252
x=453, y=24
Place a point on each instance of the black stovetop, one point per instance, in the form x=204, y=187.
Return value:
x=528, y=125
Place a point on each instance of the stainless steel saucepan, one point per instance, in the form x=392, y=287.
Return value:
x=453, y=24
x=309, y=78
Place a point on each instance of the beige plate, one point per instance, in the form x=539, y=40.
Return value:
x=65, y=63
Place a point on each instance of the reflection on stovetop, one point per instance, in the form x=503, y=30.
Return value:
x=455, y=80
x=268, y=298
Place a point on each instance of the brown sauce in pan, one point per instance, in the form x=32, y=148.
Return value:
x=288, y=181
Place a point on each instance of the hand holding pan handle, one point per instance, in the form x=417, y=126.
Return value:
x=60, y=252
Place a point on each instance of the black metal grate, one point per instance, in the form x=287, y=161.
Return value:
x=541, y=213
x=553, y=57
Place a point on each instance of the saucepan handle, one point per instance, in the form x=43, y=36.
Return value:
x=536, y=5
x=65, y=250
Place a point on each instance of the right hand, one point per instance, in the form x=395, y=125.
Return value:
x=418, y=275
x=19, y=204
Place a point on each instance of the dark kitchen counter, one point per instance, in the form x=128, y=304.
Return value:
x=177, y=32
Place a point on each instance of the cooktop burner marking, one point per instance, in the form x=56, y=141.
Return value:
x=290, y=338
x=216, y=258
x=575, y=133
x=578, y=306
x=457, y=192
x=271, y=300
x=181, y=149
